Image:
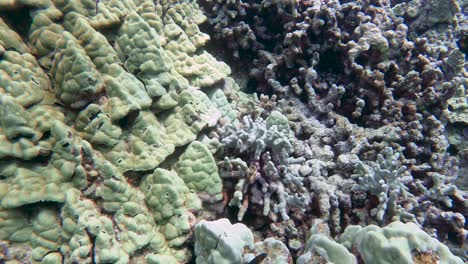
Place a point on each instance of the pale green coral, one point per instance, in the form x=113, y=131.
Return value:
x=194, y=112
x=40, y=229
x=14, y=225
x=135, y=223
x=220, y=241
x=30, y=183
x=184, y=39
x=22, y=130
x=327, y=249
x=199, y=69
x=167, y=101
x=44, y=33
x=15, y=121
x=96, y=45
x=143, y=147
x=101, y=14
x=96, y=126
x=46, y=236
x=219, y=99
x=395, y=243
x=198, y=169
x=83, y=223
x=160, y=259
x=111, y=13
x=76, y=79
x=171, y=202
x=279, y=120
x=126, y=93
x=320, y=247
x=140, y=50
x=153, y=15
x=22, y=78
x=87, y=142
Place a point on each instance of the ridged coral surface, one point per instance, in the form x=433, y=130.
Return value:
x=214, y=131
x=94, y=97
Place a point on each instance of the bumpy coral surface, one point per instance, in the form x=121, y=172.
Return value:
x=95, y=96
x=395, y=243
x=334, y=131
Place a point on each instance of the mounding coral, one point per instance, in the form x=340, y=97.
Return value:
x=94, y=97
x=397, y=242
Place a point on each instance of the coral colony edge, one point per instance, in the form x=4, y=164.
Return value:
x=229, y=131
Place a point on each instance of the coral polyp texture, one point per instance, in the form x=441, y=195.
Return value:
x=95, y=96
x=202, y=131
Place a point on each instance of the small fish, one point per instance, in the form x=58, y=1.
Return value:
x=258, y=259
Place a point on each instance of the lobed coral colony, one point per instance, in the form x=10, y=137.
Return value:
x=233, y=131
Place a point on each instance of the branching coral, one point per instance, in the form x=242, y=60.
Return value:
x=267, y=144
x=385, y=179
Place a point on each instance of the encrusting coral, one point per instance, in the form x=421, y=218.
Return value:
x=95, y=100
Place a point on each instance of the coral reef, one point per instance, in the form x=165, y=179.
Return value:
x=336, y=134
x=374, y=92
x=378, y=64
